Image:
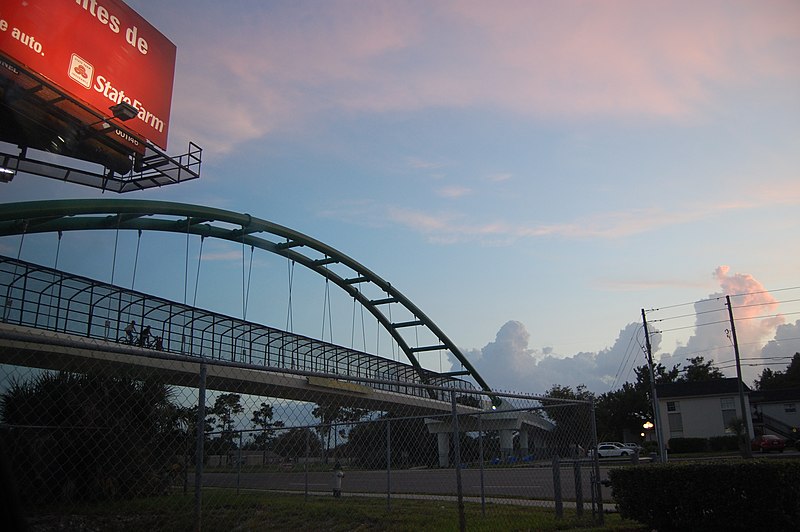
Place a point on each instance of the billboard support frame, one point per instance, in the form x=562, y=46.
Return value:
x=151, y=168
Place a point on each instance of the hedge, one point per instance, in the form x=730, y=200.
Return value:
x=724, y=443
x=740, y=495
x=688, y=445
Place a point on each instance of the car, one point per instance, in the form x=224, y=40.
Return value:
x=634, y=447
x=768, y=442
x=611, y=449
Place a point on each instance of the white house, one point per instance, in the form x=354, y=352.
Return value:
x=701, y=409
x=777, y=412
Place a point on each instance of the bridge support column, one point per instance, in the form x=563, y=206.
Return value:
x=524, y=449
x=443, y=439
x=507, y=442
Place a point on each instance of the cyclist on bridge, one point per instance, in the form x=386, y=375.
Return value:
x=130, y=330
x=144, y=336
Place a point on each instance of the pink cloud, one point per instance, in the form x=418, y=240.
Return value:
x=285, y=67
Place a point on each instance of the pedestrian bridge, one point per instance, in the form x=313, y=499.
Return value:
x=56, y=320
x=52, y=319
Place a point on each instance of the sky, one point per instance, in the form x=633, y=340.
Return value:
x=531, y=174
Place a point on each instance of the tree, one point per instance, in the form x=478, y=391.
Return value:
x=626, y=409
x=226, y=406
x=332, y=413
x=775, y=380
x=262, y=419
x=663, y=376
x=698, y=370
x=89, y=437
x=411, y=443
x=297, y=443
x=622, y=411
x=573, y=421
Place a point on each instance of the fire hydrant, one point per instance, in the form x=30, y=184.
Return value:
x=338, y=475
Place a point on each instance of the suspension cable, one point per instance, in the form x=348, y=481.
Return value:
x=136, y=259
x=22, y=240
x=55, y=267
x=363, y=326
x=353, y=327
x=113, y=271
x=8, y=303
x=186, y=265
x=326, y=309
x=289, y=320
x=197, y=274
x=114, y=258
x=58, y=250
x=246, y=286
x=394, y=343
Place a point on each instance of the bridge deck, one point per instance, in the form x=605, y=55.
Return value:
x=72, y=307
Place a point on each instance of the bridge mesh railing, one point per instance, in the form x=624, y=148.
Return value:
x=51, y=300
x=167, y=443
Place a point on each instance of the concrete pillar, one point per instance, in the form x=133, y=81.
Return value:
x=443, y=439
x=523, y=443
x=507, y=442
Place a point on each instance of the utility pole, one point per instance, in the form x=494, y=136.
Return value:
x=654, y=398
x=748, y=452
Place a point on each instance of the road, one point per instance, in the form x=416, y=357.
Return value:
x=529, y=483
x=518, y=482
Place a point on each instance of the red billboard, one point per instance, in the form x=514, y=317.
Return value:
x=101, y=52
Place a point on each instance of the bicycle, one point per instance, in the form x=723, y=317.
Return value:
x=151, y=342
x=125, y=339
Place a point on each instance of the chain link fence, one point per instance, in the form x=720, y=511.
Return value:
x=217, y=409
x=189, y=435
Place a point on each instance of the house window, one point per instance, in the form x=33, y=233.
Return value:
x=728, y=406
x=789, y=408
x=675, y=420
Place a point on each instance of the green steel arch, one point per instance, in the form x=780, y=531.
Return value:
x=348, y=274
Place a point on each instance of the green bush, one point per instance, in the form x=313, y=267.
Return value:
x=740, y=495
x=688, y=445
x=724, y=443
x=649, y=447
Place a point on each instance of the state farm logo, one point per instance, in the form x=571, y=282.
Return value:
x=81, y=70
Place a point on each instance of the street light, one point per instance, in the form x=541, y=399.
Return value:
x=124, y=111
x=648, y=426
x=6, y=174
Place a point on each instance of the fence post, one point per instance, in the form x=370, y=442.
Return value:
x=597, y=490
x=308, y=452
x=578, y=488
x=239, y=464
x=462, y=520
x=198, y=467
x=557, y=487
x=388, y=464
x=480, y=458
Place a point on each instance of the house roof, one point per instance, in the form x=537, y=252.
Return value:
x=699, y=388
x=775, y=396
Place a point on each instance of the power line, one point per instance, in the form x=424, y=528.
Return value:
x=688, y=315
x=626, y=358
x=717, y=298
x=764, y=316
x=693, y=326
x=766, y=291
